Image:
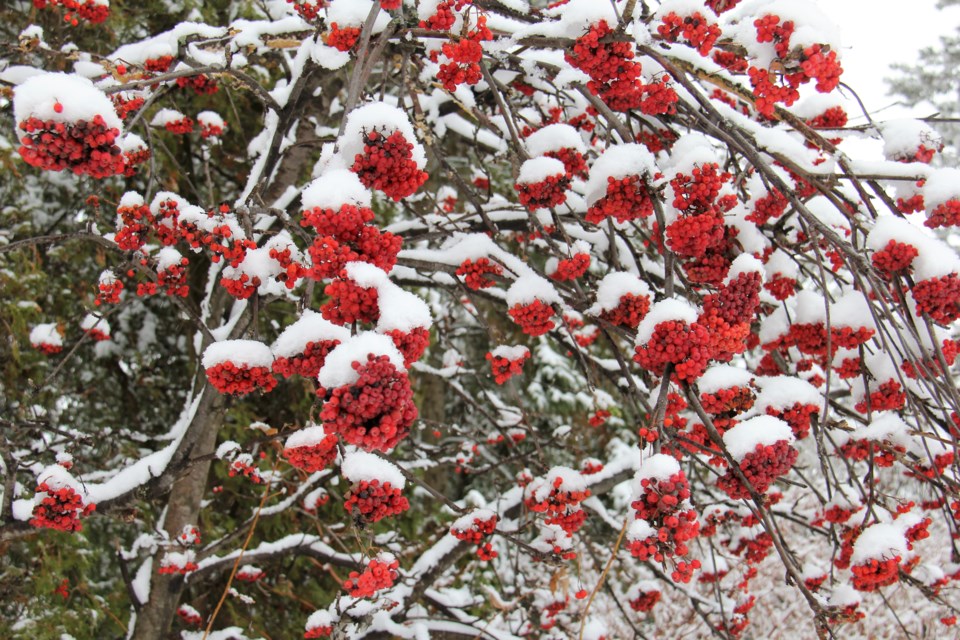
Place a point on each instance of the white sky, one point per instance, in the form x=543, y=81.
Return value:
x=878, y=33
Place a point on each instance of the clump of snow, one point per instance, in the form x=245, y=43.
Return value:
x=381, y=117
x=576, y=16
x=723, y=376
x=744, y=263
x=167, y=116
x=227, y=450
x=659, y=467
x=663, y=311
x=359, y=466
x=249, y=353
x=514, y=352
x=903, y=138
x=311, y=327
x=353, y=13
x=744, y=437
x=91, y=321
x=465, y=522
x=56, y=477
x=618, y=162
x=211, y=119
x=539, y=169
x=614, y=286
x=321, y=618
x=531, y=287
x=879, y=542
x=942, y=185
x=640, y=530
x=782, y=392
x=335, y=188
x=307, y=437
x=401, y=310
x=811, y=26
x=559, y=478
x=338, y=368
x=780, y=262
x=168, y=257
x=554, y=137
x=78, y=98
x=46, y=334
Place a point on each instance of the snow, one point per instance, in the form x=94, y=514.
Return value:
x=780, y=263
x=723, y=376
x=941, y=186
x=248, y=353
x=382, y=117
x=91, y=321
x=663, y=311
x=309, y=436
x=554, y=137
x=889, y=227
x=537, y=170
x=814, y=105
x=79, y=98
x=575, y=18
x=46, y=334
x=465, y=522
x=614, y=286
x=879, y=542
x=570, y=480
x=531, y=287
x=683, y=8
x=56, y=477
x=211, y=119
x=515, y=352
x=311, y=327
x=844, y=595
x=130, y=199
x=401, y=310
x=618, y=162
x=658, y=466
x=744, y=263
x=811, y=26
x=167, y=116
x=359, y=466
x=337, y=369
x=168, y=257
x=744, y=437
x=335, y=188
x=782, y=392
x=353, y=13
x=321, y=618
x=903, y=137
x=640, y=530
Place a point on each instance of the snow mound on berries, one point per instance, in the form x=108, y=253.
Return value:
x=320, y=618
x=401, y=310
x=723, y=376
x=338, y=368
x=514, y=352
x=659, y=466
x=382, y=117
x=744, y=263
x=879, y=542
x=782, y=392
x=56, y=477
x=889, y=228
x=814, y=105
x=618, y=162
x=902, y=138
x=614, y=286
x=531, y=287
x=941, y=186
x=761, y=430
x=306, y=437
x=539, y=169
x=78, y=97
x=248, y=353
x=465, y=522
x=664, y=311
x=569, y=481
x=335, y=188
x=850, y=310
x=640, y=530
x=554, y=137
x=576, y=17
x=811, y=26
x=211, y=119
x=683, y=8
x=887, y=425
x=359, y=466
x=168, y=257
x=167, y=116
x=46, y=334
x=91, y=321
x=312, y=327
x=353, y=13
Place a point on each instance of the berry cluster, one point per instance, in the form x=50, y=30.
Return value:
x=411, y=343
x=387, y=164
x=894, y=257
x=88, y=10
x=781, y=287
x=346, y=236
x=629, y=311
x=728, y=401
x=84, y=147
x=476, y=274
x=534, y=318
x=675, y=341
x=313, y=458
x=60, y=509
x=234, y=379
x=244, y=465
x=381, y=572
x=571, y=268
x=939, y=297
x=443, y=17
x=873, y=573
x=798, y=416
x=320, y=630
x=349, y=302
x=306, y=364
x=308, y=9
x=202, y=85
x=761, y=467
x=888, y=396
x=463, y=66
x=109, y=289
x=768, y=207
x=176, y=562
x=645, y=600
x=189, y=616
x=625, y=199
x=573, y=161
x=560, y=502
x=249, y=573
x=376, y=411
x=694, y=28
x=504, y=368
x=549, y=192
x=342, y=39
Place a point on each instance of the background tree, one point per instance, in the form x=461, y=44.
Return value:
x=448, y=318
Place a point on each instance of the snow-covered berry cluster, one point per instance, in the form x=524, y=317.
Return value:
x=381, y=572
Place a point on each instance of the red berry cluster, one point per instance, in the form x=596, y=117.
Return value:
x=503, y=368
x=626, y=199
x=729, y=401
x=675, y=341
x=60, y=509
x=571, y=268
x=308, y=9
x=769, y=207
x=946, y=214
x=464, y=63
x=753, y=548
x=444, y=17
x=202, y=85
x=320, y=631
x=84, y=147
x=126, y=106
x=797, y=415
x=233, y=379
x=88, y=10
x=931, y=366
x=341, y=39
x=189, y=615
x=181, y=126
x=349, y=302
x=550, y=192
x=862, y=449
x=573, y=161
x=832, y=118
x=873, y=574
x=249, y=574
x=939, y=297
x=411, y=343
x=210, y=130
x=895, y=257
x=243, y=465
x=376, y=411
x=109, y=291
x=173, y=281
x=379, y=574
x=629, y=311
x=476, y=274
x=387, y=164
x=170, y=564
x=694, y=28
x=560, y=505
x=888, y=396
x=346, y=236
x=475, y=533
x=242, y=286
x=645, y=600
x=761, y=467
x=313, y=458
x=599, y=418
x=534, y=318
x=780, y=286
